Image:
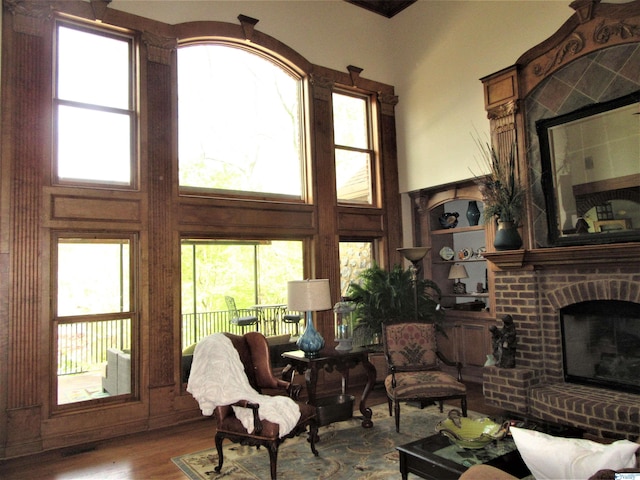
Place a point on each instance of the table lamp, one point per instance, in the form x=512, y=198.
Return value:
x=309, y=296
x=457, y=272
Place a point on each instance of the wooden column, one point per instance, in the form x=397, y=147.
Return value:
x=324, y=252
x=162, y=324
x=25, y=155
x=502, y=103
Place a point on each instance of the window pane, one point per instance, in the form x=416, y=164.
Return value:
x=93, y=277
x=354, y=258
x=350, y=121
x=252, y=272
x=353, y=176
x=93, y=69
x=239, y=122
x=94, y=360
x=93, y=145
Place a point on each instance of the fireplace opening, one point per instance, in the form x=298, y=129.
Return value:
x=601, y=344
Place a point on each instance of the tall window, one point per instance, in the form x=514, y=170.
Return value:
x=94, y=316
x=239, y=123
x=252, y=272
x=353, y=152
x=94, y=107
x=355, y=256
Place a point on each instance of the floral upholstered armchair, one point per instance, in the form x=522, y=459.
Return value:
x=414, y=368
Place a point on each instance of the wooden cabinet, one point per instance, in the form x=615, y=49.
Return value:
x=467, y=340
x=458, y=243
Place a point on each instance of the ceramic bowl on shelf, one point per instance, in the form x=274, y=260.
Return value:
x=465, y=254
x=449, y=219
x=471, y=433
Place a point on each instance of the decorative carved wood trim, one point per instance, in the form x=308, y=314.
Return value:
x=99, y=8
x=354, y=72
x=584, y=9
x=387, y=104
x=570, y=48
x=322, y=87
x=593, y=25
x=248, y=26
x=159, y=49
x=29, y=17
x=603, y=33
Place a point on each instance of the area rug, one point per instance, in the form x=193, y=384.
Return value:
x=346, y=450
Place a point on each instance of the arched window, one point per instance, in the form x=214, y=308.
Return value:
x=239, y=123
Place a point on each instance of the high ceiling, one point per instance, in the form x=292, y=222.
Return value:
x=387, y=8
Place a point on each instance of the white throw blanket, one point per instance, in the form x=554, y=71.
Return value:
x=218, y=378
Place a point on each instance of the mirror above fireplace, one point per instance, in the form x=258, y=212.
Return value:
x=590, y=161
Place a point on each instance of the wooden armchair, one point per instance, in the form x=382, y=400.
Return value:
x=414, y=371
x=254, y=354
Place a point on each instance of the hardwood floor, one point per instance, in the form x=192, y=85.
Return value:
x=148, y=455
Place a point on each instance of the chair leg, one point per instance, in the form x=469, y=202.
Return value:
x=397, y=414
x=390, y=406
x=441, y=404
x=219, y=439
x=313, y=437
x=273, y=459
x=463, y=405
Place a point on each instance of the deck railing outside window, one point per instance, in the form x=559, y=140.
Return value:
x=83, y=346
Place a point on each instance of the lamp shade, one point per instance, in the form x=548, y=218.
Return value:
x=308, y=295
x=413, y=254
x=457, y=271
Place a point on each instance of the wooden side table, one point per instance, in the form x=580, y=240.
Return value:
x=342, y=361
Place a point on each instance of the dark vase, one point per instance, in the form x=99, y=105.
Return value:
x=310, y=342
x=473, y=213
x=507, y=237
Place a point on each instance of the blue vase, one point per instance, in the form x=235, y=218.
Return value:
x=507, y=237
x=473, y=213
x=310, y=342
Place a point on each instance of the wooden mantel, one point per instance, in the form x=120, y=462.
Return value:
x=609, y=254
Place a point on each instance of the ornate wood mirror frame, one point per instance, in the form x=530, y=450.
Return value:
x=592, y=59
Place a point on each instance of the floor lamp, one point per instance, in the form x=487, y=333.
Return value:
x=414, y=255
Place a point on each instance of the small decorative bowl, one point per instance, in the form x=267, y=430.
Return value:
x=471, y=433
x=449, y=219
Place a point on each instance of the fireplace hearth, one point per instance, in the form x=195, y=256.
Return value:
x=601, y=344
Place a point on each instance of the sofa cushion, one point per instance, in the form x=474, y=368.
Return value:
x=549, y=457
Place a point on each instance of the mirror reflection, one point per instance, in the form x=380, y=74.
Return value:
x=591, y=172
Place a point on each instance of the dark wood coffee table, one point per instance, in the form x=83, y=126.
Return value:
x=435, y=458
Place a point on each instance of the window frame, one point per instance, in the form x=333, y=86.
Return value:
x=371, y=150
x=131, y=112
x=303, y=131
x=133, y=315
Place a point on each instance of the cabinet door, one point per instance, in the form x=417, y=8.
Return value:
x=474, y=343
x=448, y=345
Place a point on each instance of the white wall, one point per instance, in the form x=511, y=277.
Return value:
x=443, y=48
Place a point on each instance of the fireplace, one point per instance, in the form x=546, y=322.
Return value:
x=547, y=297
x=601, y=344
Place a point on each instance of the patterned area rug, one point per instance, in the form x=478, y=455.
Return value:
x=347, y=451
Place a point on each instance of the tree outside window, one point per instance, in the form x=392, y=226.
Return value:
x=239, y=123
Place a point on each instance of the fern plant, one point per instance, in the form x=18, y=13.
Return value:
x=383, y=296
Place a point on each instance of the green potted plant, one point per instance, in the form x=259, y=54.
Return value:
x=382, y=296
x=503, y=195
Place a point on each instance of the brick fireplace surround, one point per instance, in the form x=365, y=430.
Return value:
x=533, y=288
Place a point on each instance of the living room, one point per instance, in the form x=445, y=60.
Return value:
x=426, y=63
